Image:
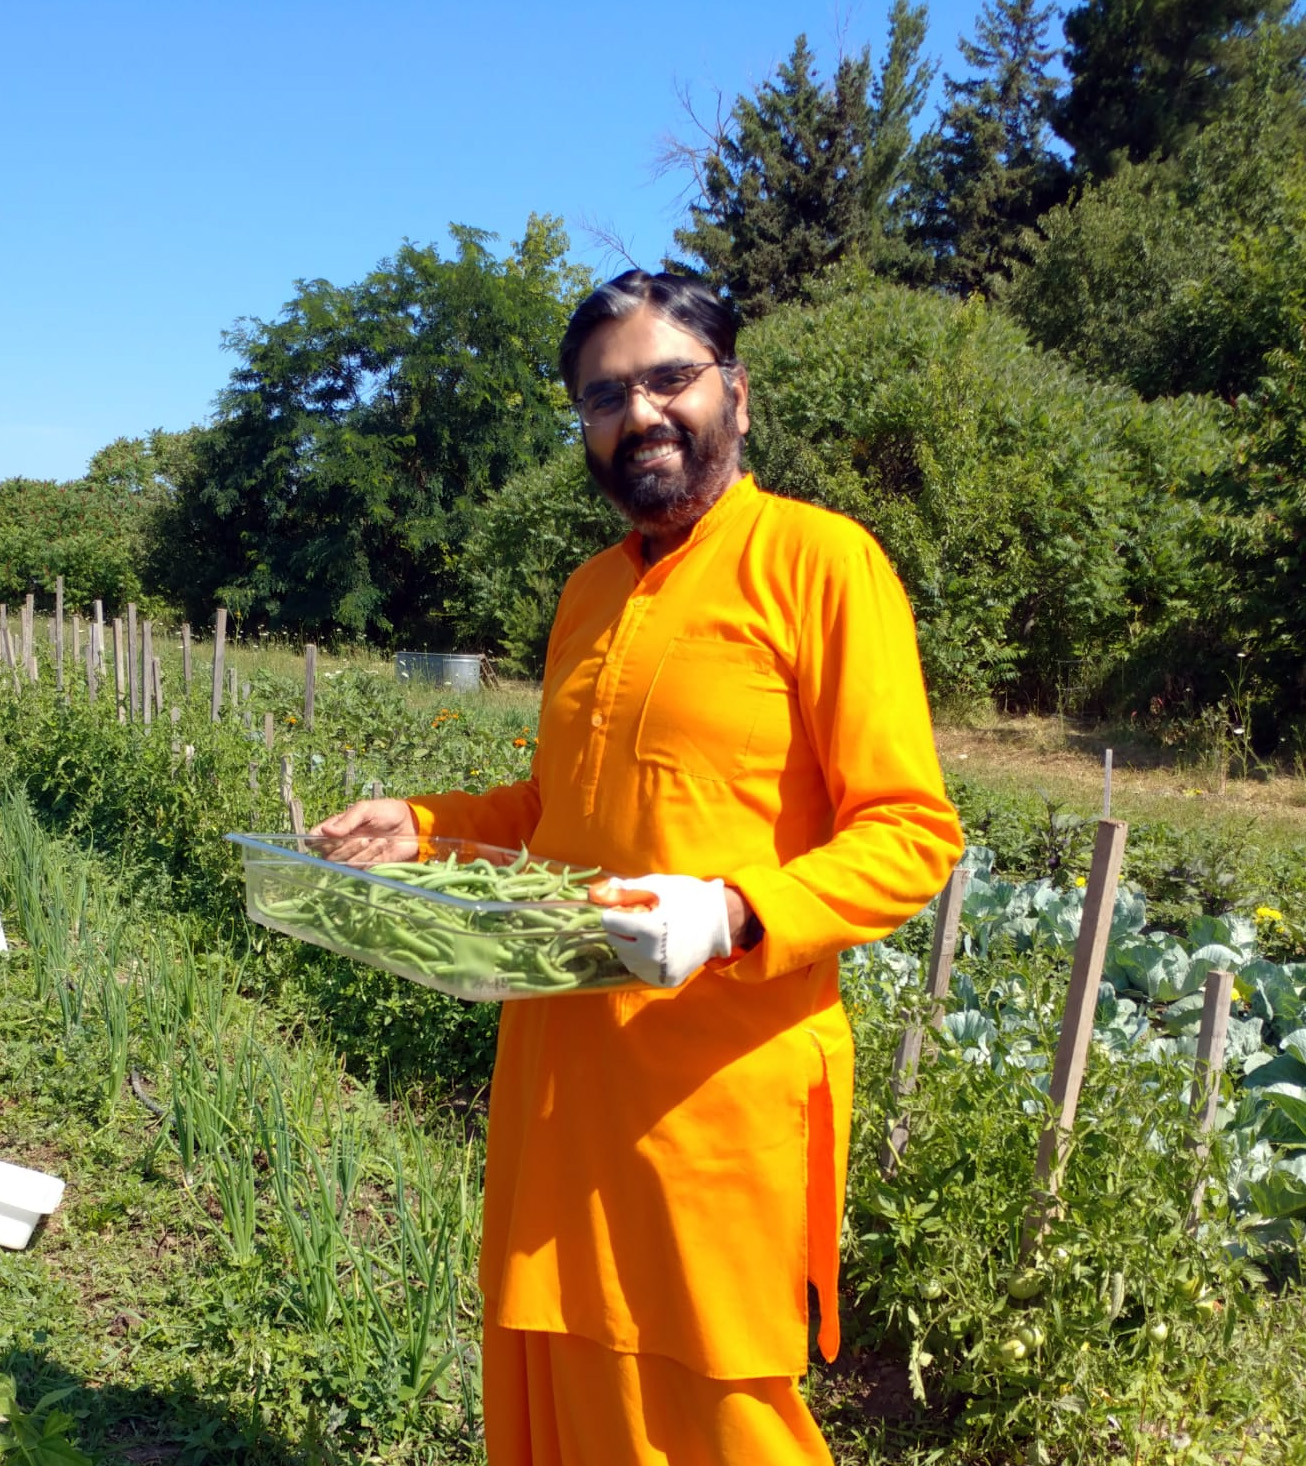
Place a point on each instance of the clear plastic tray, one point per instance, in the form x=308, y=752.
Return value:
x=480, y=949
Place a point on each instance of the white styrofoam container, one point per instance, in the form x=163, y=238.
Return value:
x=25, y=1197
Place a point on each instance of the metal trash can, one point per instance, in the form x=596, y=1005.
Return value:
x=458, y=671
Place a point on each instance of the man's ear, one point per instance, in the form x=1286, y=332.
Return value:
x=739, y=386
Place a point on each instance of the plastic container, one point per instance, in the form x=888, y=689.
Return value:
x=25, y=1197
x=458, y=671
x=479, y=949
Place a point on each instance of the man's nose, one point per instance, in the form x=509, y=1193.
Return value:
x=641, y=411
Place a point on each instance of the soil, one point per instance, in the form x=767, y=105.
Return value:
x=1065, y=760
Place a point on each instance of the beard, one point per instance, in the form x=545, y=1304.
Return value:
x=661, y=500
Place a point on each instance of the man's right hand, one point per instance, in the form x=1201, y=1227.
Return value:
x=369, y=832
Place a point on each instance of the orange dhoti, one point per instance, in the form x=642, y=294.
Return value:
x=562, y=1400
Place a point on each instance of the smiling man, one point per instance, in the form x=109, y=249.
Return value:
x=733, y=714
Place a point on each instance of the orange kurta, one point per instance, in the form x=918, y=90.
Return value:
x=666, y=1168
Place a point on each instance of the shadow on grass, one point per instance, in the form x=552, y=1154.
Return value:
x=150, y=1426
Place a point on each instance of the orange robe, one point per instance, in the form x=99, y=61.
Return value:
x=666, y=1168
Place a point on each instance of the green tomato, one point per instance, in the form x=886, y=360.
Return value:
x=1026, y=1284
x=930, y=1289
x=1158, y=1331
x=1011, y=1351
x=1032, y=1336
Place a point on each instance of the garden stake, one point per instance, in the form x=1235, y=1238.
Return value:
x=185, y=655
x=97, y=636
x=92, y=686
x=156, y=677
x=1076, y=1027
x=310, y=681
x=147, y=667
x=77, y=637
x=219, y=652
x=29, y=613
x=133, y=664
x=906, y=1061
x=119, y=676
x=269, y=731
x=1207, y=1068
x=58, y=633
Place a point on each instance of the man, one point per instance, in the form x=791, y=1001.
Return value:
x=733, y=716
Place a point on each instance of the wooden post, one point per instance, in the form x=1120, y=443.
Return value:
x=378, y=790
x=231, y=690
x=92, y=683
x=269, y=731
x=29, y=648
x=133, y=664
x=287, y=780
x=185, y=656
x=295, y=809
x=349, y=775
x=219, y=653
x=119, y=676
x=310, y=682
x=77, y=637
x=156, y=679
x=147, y=667
x=1207, y=1068
x=97, y=635
x=7, y=647
x=1076, y=1026
x=906, y=1061
x=58, y=633
x=175, y=715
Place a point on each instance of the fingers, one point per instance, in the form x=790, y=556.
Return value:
x=368, y=832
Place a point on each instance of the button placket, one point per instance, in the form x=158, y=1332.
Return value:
x=605, y=691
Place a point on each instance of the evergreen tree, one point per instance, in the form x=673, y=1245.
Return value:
x=802, y=174
x=990, y=171
x=1147, y=75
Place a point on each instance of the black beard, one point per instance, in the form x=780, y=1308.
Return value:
x=657, y=502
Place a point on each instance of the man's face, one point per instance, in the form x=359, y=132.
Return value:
x=662, y=465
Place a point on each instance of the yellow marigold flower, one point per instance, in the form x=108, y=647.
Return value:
x=1268, y=913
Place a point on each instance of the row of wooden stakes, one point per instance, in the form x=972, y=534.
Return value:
x=1076, y=1034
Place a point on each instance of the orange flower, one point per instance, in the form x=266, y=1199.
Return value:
x=519, y=743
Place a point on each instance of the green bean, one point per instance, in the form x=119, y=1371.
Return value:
x=555, y=946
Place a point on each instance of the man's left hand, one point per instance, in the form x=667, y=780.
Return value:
x=663, y=943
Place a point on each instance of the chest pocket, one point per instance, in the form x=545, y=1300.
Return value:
x=707, y=707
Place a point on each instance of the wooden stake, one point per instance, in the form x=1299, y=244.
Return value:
x=231, y=690
x=119, y=675
x=1076, y=1026
x=58, y=633
x=185, y=656
x=133, y=664
x=378, y=791
x=906, y=1062
x=147, y=666
x=77, y=637
x=310, y=682
x=287, y=780
x=1207, y=1068
x=29, y=615
x=349, y=775
x=156, y=679
x=269, y=731
x=92, y=682
x=219, y=653
x=97, y=635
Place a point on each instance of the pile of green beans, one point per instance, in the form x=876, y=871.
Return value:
x=469, y=951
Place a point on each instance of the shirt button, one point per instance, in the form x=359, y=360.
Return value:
x=597, y=720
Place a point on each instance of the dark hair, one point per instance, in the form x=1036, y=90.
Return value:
x=684, y=301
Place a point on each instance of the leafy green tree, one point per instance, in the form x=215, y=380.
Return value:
x=989, y=169
x=364, y=431
x=801, y=175
x=1147, y=75
x=1181, y=276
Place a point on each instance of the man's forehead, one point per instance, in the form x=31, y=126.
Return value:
x=633, y=343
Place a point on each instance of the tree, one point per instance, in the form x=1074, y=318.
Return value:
x=801, y=175
x=989, y=169
x=361, y=432
x=1147, y=75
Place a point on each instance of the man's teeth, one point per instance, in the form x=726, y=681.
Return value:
x=657, y=450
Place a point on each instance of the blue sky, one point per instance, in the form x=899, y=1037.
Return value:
x=170, y=167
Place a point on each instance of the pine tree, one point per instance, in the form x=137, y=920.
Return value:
x=990, y=171
x=1147, y=75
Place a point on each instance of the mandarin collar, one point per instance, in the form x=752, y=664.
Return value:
x=720, y=513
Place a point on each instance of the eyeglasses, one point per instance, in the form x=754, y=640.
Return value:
x=604, y=401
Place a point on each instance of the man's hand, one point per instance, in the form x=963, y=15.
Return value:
x=370, y=831
x=663, y=941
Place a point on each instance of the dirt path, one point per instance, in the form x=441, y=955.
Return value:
x=1064, y=760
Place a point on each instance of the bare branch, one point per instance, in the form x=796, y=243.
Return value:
x=604, y=233
x=692, y=155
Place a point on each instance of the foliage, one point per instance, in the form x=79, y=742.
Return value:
x=539, y=528
x=362, y=433
x=93, y=530
x=802, y=175
x=1038, y=522
x=988, y=168
x=1146, y=76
